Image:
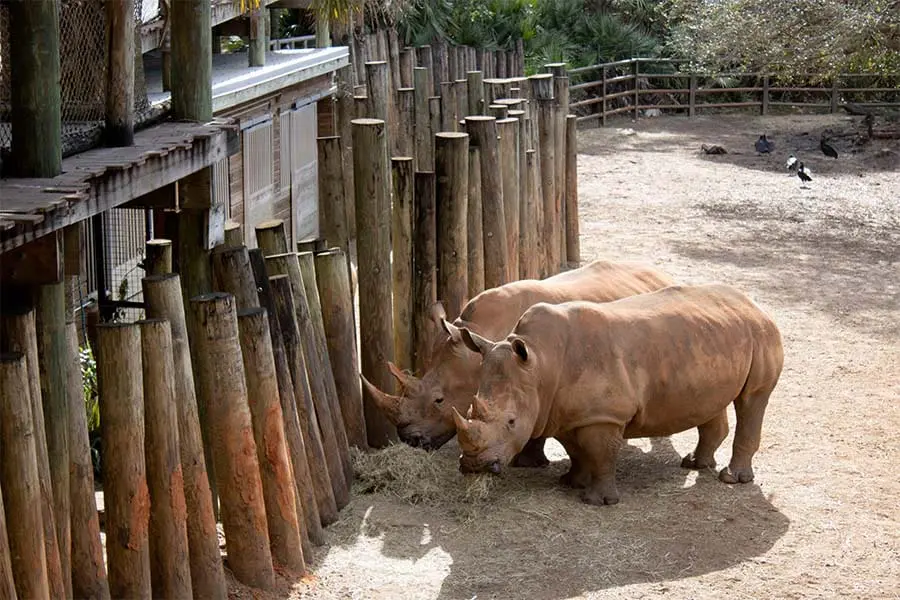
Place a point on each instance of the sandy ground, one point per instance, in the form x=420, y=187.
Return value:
x=821, y=518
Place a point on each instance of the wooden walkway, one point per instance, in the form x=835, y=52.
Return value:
x=97, y=180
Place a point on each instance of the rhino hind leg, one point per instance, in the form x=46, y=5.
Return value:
x=750, y=410
x=599, y=446
x=532, y=455
x=711, y=435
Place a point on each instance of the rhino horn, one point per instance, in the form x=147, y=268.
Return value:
x=386, y=403
x=475, y=342
x=462, y=425
x=408, y=381
x=479, y=408
x=438, y=313
x=452, y=330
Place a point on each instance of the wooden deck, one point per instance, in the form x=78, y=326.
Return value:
x=95, y=181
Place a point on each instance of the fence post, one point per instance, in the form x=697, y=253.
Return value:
x=692, y=97
x=542, y=91
x=401, y=263
x=452, y=182
x=508, y=131
x=332, y=202
x=7, y=586
x=424, y=136
x=765, y=96
x=573, y=242
x=834, y=95
x=475, y=93
x=603, y=96
x=475, y=236
x=637, y=92
x=158, y=259
x=424, y=262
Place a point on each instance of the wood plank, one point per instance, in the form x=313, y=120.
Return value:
x=35, y=263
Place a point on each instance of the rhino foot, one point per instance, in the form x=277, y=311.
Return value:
x=691, y=461
x=532, y=455
x=732, y=475
x=601, y=496
x=575, y=479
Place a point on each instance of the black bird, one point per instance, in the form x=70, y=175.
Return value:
x=802, y=174
x=764, y=146
x=714, y=149
x=827, y=149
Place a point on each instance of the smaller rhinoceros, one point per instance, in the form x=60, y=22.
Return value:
x=593, y=374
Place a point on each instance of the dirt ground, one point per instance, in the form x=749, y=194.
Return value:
x=821, y=518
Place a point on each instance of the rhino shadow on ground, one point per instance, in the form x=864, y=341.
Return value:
x=537, y=540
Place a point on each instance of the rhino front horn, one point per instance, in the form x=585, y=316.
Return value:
x=409, y=382
x=386, y=403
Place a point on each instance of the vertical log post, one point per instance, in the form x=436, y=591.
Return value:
x=119, y=128
x=475, y=226
x=393, y=59
x=407, y=64
x=378, y=95
x=425, y=263
x=439, y=58
x=475, y=89
x=170, y=572
x=88, y=568
x=7, y=585
x=406, y=122
x=125, y=494
x=18, y=323
x=451, y=187
x=573, y=242
x=448, y=107
x=522, y=187
x=402, y=257
x=542, y=91
x=283, y=298
x=424, y=134
x=374, y=245
x=271, y=447
x=561, y=105
x=289, y=264
x=434, y=114
x=233, y=274
x=332, y=203
x=19, y=479
x=461, y=100
x=452, y=63
x=307, y=510
x=271, y=236
x=496, y=262
x=259, y=42
x=222, y=390
x=158, y=258
x=163, y=300
x=508, y=130
x=50, y=318
x=35, y=101
x=425, y=60
x=529, y=223
x=234, y=234
x=333, y=280
x=332, y=409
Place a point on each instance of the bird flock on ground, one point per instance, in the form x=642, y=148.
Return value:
x=766, y=146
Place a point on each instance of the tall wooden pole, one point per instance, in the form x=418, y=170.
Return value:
x=7, y=585
x=163, y=299
x=35, y=100
x=333, y=280
x=88, y=568
x=379, y=96
x=50, y=319
x=424, y=134
x=425, y=262
x=475, y=88
x=332, y=200
x=542, y=90
x=271, y=237
x=529, y=223
x=19, y=479
x=259, y=39
x=374, y=244
x=496, y=261
x=170, y=567
x=573, y=243
x=402, y=257
x=406, y=122
x=475, y=226
x=271, y=445
x=222, y=389
x=508, y=131
x=126, y=496
x=18, y=323
x=307, y=510
x=158, y=259
x=452, y=182
x=233, y=274
x=191, y=59
x=120, y=74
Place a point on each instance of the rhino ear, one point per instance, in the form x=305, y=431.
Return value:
x=519, y=347
x=452, y=330
x=475, y=342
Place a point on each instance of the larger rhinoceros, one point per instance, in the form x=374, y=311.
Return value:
x=423, y=415
x=591, y=374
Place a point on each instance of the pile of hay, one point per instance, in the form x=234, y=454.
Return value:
x=419, y=477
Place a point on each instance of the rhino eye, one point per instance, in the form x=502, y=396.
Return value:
x=438, y=400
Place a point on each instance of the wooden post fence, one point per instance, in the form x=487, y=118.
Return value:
x=451, y=186
x=542, y=91
x=402, y=259
x=158, y=259
x=332, y=201
x=573, y=242
x=474, y=227
x=508, y=132
x=425, y=262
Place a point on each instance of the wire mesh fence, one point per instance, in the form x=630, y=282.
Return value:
x=83, y=50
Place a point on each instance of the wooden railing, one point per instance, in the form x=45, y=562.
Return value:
x=598, y=92
x=292, y=43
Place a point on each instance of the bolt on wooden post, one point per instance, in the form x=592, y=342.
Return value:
x=483, y=132
x=163, y=300
x=222, y=389
x=372, y=197
x=125, y=493
x=271, y=446
x=307, y=510
x=170, y=572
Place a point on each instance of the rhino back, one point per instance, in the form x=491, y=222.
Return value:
x=656, y=364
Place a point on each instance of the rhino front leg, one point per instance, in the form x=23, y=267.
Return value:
x=711, y=435
x=750, y=410
x=532, y=455
x=599, y=446
x=578, y=475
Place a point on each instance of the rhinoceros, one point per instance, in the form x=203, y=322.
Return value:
x=592, y=374
x=423, y=415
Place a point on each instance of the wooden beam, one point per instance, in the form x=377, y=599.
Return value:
x=36, y=263
x=120, y=74
x=191, y=60
x=35, y=98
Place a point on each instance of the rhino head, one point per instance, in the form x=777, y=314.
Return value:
x=423, y=412
x=502, y=416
